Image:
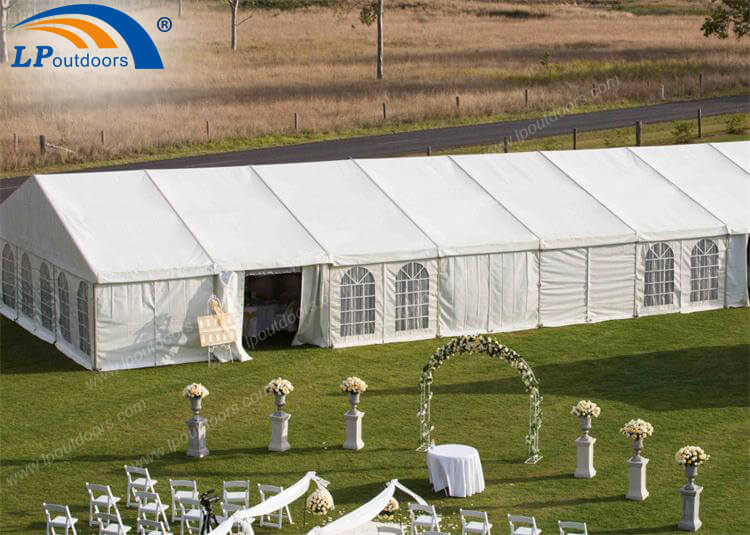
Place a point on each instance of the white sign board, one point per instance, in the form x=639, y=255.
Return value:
x=212, y=333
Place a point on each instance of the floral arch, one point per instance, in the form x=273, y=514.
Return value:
x=493, y=348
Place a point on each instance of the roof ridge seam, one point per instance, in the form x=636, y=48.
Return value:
x=299, y=221
x=731, y=160
x=497, y=201
x=678, y=188
x=597, y=199
x=393, y=201
x=179, y=216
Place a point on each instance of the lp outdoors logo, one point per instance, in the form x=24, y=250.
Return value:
x=62, y=20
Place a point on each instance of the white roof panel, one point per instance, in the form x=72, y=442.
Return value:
x=237, y=219
x=707, y=176
x=449, y=206
x=354, y=221
x=547, y=201
x=646, y=201
x=737, y=151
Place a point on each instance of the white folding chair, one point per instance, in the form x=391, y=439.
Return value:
x=59, y=517
x=423, y=517
x=228, y=509
x=100, y=496
x=149, y=503
x=388, y=530
x=268, y=520
x=572, y=528
x=474, y=522
x=190, y=512
x=138, y=479
x=152, y=527
x=237, y=492
x=111, y=524
x=181, y=488
x=529, y=528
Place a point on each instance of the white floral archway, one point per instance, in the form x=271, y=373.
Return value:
x=493, y=348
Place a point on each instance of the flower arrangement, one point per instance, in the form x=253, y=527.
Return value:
x=279, y=386
x=389, y=510
x=195, y=390
x=691, y=455
x=320, y=502
x=636, y=429
x=353, y=385
x=586, y=408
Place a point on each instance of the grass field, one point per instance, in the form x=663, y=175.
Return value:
x=309, y=61
x=686, y=374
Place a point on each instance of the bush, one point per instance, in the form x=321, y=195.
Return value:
x=737, y=124
x=683, y=132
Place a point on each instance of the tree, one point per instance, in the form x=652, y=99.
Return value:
x=234, y=5
x=370, y=11
x=726, y=16
x=5, y=7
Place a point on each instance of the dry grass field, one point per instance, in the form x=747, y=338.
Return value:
x=311, y=62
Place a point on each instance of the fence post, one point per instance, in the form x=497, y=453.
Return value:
x=101, y=136
x=663, y=97
x=42, y=144
x=385, y=112
x=296, y=121
x=458, y=103
x=593, y=90
x=429, y=151
x=700, y=83
x=700, y=123
x=526, y=97
x=505, y=144
x=575, y=138
x=208, y=130
x=15, y=142
x=638, y=127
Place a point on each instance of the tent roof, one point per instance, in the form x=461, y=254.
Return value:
x=449, y=206
x=127, y=226
x=547, y=201
x=645, y=200
x=705, y=174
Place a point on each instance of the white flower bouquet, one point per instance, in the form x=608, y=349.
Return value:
x=195, y=390
x=389, y=510
x=691, y=455
x=279, y=386
x=636, y=429
x=353, y=385
x=586, y=408
x=320, y=502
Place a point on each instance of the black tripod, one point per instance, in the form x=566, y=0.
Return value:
x=209, y=517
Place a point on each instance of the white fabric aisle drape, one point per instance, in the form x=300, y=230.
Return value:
x=364, y=513
x=272, y=504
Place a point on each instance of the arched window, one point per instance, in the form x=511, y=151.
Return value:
x=9, y=277
x=412, y=297
x=27, y=287
x=63, y=296
x=659, y=276
x=704, y=271
x=357, y=302
x=83, y=318
x=47, y=298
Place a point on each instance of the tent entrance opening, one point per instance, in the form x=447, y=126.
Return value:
x=271, y=306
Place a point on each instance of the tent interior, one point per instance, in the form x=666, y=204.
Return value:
x=115, y=268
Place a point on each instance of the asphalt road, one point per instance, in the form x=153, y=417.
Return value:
x=442, y=138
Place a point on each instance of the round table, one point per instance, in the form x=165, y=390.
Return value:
x=456, y=468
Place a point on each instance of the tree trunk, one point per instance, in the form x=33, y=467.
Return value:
x=179, y=9
x=3, y=32
x=235, y=4
x=381, y=9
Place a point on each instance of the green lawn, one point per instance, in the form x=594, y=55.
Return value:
x=686, y=374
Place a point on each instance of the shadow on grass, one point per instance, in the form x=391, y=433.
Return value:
x=576, y=501
x=660, y=381
x=528, y=479
x=659, y=529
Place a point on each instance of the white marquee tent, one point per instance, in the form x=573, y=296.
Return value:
x=114, y=267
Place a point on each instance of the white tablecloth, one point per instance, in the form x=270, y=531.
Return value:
x=456, y=468
x=258, y=319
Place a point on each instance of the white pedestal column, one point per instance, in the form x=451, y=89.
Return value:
x=637, y=490
x=354, y=430
x=691, y=504
x=279, y=431
x=585, y=465
x=197, y=436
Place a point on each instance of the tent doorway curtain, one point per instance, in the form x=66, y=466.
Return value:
x=271, y=306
